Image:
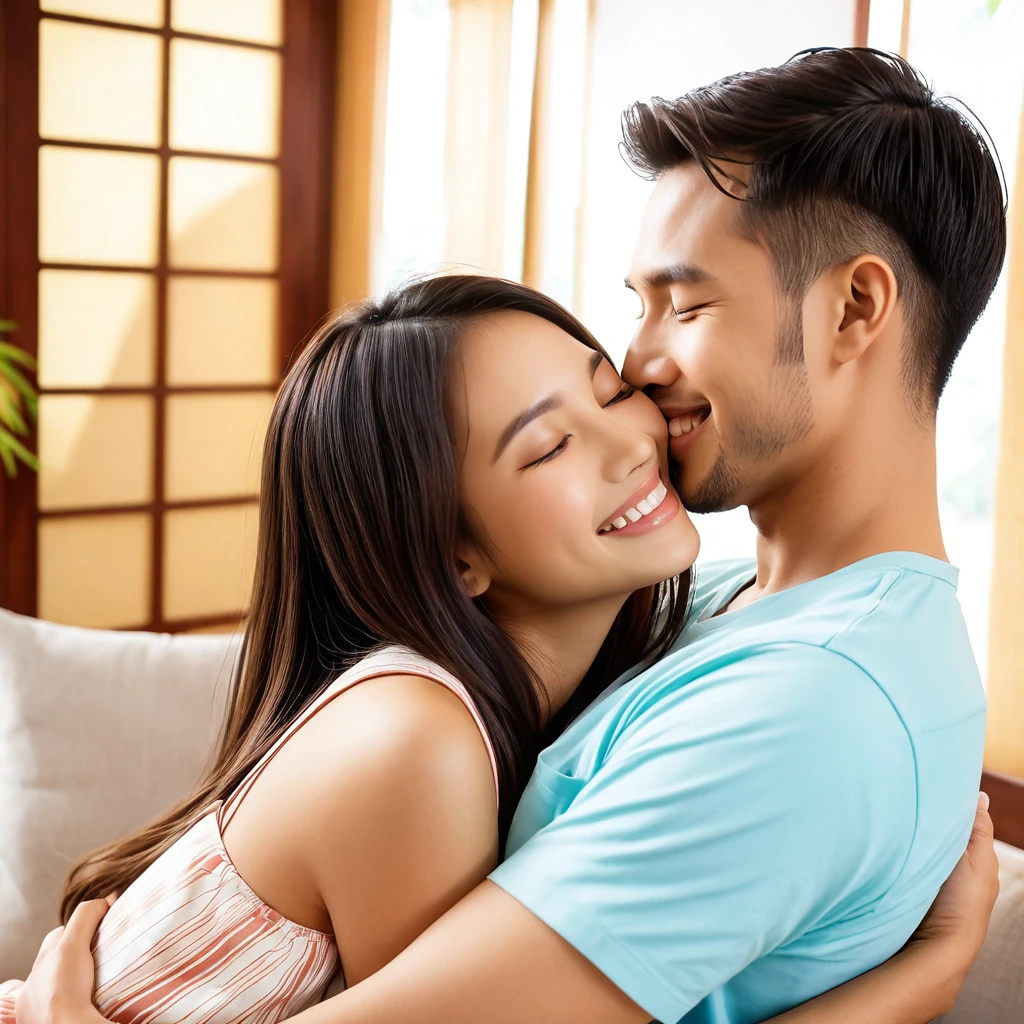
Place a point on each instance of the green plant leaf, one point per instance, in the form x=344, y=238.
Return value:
x=10, y=449
x=16, y=379
x=11, y=353
x=19, y=403
x=993, y=6
x=8, y=459
x=10, y=416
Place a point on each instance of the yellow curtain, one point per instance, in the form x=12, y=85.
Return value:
x=1005, y=747
x=476, y=142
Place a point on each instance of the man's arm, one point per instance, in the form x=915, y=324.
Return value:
x=486, y=960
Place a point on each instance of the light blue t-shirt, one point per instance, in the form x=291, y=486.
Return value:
x=769, y=810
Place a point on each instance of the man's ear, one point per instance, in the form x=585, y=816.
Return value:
x=869, y=294
x=473, y=569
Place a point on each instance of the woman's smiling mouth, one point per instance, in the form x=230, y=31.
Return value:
x=655, y=506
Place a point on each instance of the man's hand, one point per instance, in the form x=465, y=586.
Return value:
x=59, y=989
x=958, y=919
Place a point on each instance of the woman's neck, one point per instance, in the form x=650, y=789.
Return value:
x=560, y=644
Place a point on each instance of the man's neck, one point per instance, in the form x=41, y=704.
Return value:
x=855, y=503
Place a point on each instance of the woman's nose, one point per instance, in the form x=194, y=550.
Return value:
x=624, y=449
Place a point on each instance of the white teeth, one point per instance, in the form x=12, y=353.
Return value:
x=643, y=508
x=680, y=425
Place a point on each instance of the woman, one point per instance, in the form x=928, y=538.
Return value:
x=466, y=511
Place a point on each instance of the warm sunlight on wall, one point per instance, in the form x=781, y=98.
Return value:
x=158, y=305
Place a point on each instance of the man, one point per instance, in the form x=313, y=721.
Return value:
x=769, y=810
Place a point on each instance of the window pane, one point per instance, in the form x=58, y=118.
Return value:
x=221, y=330
x=214, y=445
x=95, y=450
x=99, y=84
x=209, y=555
x=96, y=328
x=97, y=207
x=95, y=570
x=223, y=214
x=224, y=99
x=258, y=21
x=132, y=12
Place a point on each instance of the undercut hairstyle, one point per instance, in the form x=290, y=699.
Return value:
x=850, y=151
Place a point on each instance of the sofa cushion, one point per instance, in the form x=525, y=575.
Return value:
x=99, y=732
x=994, y=990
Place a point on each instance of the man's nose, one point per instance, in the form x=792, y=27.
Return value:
x=648, y=362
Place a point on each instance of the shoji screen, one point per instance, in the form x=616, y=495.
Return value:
x=159, y=278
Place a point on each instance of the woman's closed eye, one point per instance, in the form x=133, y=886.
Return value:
x=557, y=450
x=624, y=392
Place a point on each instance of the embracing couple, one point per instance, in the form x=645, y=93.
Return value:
x=575, y=781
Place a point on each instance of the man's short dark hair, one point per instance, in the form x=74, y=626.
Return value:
x=850, y=151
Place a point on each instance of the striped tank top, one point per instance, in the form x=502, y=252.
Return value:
x=188, y=942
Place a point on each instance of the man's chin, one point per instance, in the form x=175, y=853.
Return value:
x=716, y=491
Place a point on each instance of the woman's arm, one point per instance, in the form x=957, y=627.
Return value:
x=922, y=981
x=911, y=988
x=410, y=828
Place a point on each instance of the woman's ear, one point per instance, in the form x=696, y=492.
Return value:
x=473, y=571
x=870, y=294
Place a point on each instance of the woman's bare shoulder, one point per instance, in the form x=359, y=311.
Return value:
x=392, y=734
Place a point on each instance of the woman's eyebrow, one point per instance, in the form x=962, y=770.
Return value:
x=524, y=418
x=538, y=409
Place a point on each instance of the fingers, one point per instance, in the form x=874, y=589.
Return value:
x=84, y=921
x=50, y=941
x=983, y=830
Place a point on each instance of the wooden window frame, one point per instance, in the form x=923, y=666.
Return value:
x=305, y=165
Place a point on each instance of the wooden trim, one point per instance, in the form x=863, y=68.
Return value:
x=156, y=564
x=128, y=268
x=19, y=247
x=305, y=166
x=861, y=19
x=201, y=154
x=363, y=41
x=1006, y=794
x=165, y=30
x=185, y=625
x=165, y=389
x=79, y=511
x=307, y=153
x=1004, y=746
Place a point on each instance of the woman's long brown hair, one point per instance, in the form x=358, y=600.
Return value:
x=359, y=521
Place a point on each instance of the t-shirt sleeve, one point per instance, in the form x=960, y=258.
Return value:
x=728, y=818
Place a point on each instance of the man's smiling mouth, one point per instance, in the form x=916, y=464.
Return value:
x=686, y=422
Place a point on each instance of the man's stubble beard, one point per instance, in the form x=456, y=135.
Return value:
x=759, y=435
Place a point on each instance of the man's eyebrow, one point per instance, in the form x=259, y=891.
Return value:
x=523, y=419
x=678, y=273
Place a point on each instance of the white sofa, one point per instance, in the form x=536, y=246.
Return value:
x=99, y=731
